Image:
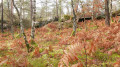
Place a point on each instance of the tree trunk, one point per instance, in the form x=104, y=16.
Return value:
x=46, y=9
x=74, y=19
x=23, y=11
x=57, y=9
x=60, y=9
x=2, y=18
x=93, y=17
x=33, y=12
x=22, y=28
x=16, y=9
x=107, y=17
x=110, y=10
x=21, y=19
x=12, y=30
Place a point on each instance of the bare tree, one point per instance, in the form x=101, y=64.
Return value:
x=107, y=17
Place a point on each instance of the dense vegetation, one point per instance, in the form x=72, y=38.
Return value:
x=60, y=33
x=98, y=45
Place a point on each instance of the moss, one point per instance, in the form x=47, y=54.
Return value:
x=73, y=33
x=55, y=52
x=101, y=56
x=79, y=29
x=39, y=62
x=33, y=43
x=114, y=57
x=54, y=62
x=43, y=61
x=41, y=50
x=93, y=28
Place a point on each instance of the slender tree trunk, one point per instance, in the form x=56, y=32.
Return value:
x=74, y=19
x=23, y=11
x=9, y=13
x=16, y=9
x=8, y=6
x=46, y=9
x=33, y=12
x=110, y=10
x=107, y=17
x=21, y=19
x=57, y=9
x=22, y=28
x=12, y=30
x=93, y=12
x=2, y=19
x=19, y=14
x=60, y=8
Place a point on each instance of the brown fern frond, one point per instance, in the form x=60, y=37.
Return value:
x=71, y=55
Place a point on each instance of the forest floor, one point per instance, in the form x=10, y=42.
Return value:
x=96, y=46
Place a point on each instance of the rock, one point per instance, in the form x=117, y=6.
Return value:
x=5, y=26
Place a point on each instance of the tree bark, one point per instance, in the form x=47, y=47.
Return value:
x=2, y=19
x=46, y=8
x=93, y=17
x=57, y=9
x=107, y=17
x=110, y=10
x=74, y=19
x=16, y=9
x=12, y=29
x=60, y=9
x=21, y=19
x=33, y=13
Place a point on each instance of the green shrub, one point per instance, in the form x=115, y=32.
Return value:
x=26, y=23
x=68, y=25
x=66, y=17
